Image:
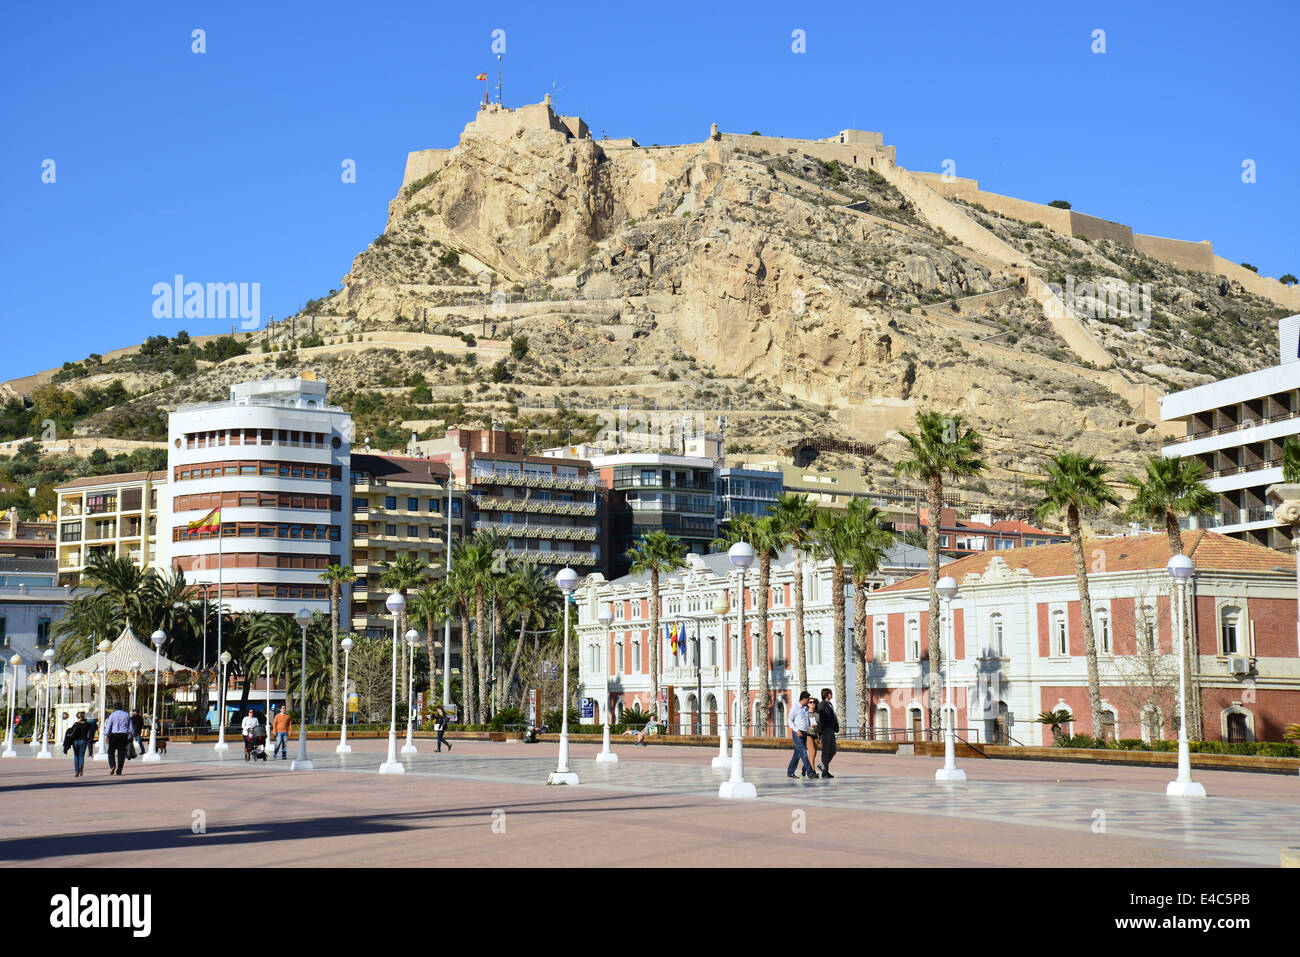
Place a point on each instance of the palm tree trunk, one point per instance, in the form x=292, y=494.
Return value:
x=861, y=637
x=401, y=651
x=514, y=660
x=480, y=650
x=932, y=552
x=801, y=680
x=761, y=652
x=428, y=647
x=466, y=669
x=654, y=643
x=336, y=707
x=837, y=602
x=1085, y=612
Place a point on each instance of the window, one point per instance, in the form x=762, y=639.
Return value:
x=636, y=656
x=412, y=531
x=1147, y=627
x=4, y=631
x=1103, y=632
x=996, y=636
x=390, y=501
x=618, y=657
x=42, y=632
x=412, y=504
x=713, y=651
x=1229, y=630
x=390, y=529
x=1060, y=646
x=814, y=648
x=913, y=641
x=882, y=643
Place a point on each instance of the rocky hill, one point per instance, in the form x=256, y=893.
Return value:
x=549, y=281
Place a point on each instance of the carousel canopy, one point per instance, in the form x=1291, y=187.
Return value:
x=127, y=648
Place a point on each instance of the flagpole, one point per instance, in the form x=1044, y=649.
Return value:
x=221, y=694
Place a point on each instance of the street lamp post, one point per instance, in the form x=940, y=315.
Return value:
x=49, y=699
x=222, y=658
x=344, y=747
x=63, y=687
x=1181, y=569
x=721, y=759
x=267, y=654
x=604, y=615
x=101, y=753
x=947, y=589
x=742, y=556
x=567, y=580
x=412, y=636
x=302, y=762
x=135, y=682
x=395, y=603
x=152, y=756
x=9, y=751
x=38, y=682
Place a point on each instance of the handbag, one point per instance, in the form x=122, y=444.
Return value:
x=130, y=749
x=814, y=724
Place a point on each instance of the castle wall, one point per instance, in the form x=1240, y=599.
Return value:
x=1093, y=227
x=1176, y=252
x=1265, y=286
x=867, y=155
x=421, y=163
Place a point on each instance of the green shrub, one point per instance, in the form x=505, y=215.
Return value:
x=507, y=716
x=551, y=719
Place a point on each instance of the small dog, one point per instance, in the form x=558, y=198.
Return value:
x=162, y=745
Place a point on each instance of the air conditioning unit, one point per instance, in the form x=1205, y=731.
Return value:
x=1239, y=664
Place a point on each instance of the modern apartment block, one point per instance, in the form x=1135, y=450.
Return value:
x=112, y=515
x=30, y=601
x=550, y=508
x=275, y=459
x=399, y=504
x=746, y=491
x=1236, y=427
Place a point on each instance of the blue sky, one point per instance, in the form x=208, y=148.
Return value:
x=225, y=166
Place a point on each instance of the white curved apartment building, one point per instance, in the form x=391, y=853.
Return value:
x=275, y=458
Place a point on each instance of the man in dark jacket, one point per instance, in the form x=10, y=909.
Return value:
x=830, y=726
x=137, y=729
x=78, y=738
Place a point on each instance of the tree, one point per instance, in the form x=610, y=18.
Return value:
x=741, y=528
x=1056, y=720
x=833, y=539
x=940, y=446
x=652, y=555
x=1291, y=460
x=1075, y=485
x=869, y=541
x=428, y=605
x=460, y=584
x=1146, y=682
x=1060, y=204
x=529, y=594
x=794, y=518
x=1288, y=279
x=1171, y=487
x=400, y=575
x=518, y=348
x=336, y=576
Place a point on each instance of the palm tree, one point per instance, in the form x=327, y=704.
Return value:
x=1291, y=460
x=869, y=540
x=1076, y=484
x=741, y=528
x=336, y=576
x=431, y=603
x=529, y=593
x=654, y=554
x=1056, y=720
x=833, y=539
x=1169, y=488
x=400, y=575
x=939, y=447
x=460, y=586
x=119, y=584
x=493, y=544
x=794, y=518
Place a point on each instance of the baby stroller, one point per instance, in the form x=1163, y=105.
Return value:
x=255, y=744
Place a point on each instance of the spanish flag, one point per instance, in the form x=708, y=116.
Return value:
x=481, y=76
x=208, y=523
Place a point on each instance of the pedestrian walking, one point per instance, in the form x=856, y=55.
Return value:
x=78, y=738
x=137, y=730
x=248, y=730
x=829, y=723
x=798, y=725
x=117, y=739
x=814, y=731
x=440, y=725
x=281, y=725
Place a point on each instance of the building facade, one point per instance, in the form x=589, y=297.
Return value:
x=1236, y=427
x=745, y=491
x=652, y=492
x=275, y=459
x=1018, y=646
x=112, y=515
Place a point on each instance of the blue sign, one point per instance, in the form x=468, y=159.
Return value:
x=588, y=707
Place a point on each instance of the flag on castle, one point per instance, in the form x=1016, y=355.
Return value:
x=208, y=523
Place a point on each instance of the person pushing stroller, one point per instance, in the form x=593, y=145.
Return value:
x=254, y=738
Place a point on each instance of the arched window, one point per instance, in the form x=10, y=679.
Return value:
x=814, y=648
x=636, y=656
x=1103, y=632
x=1238, y=725
x=1060, y=635
x=882, y=642
x=882, y=722
x=1230, y=636
x=618, y=657
x=997, y=646
x=713, y=651
x=778, y=716
x=913, y=641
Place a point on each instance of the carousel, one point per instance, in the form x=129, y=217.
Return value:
x=120, y=672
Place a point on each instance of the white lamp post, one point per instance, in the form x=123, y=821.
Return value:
x=567, y=580
x=267, y=654
x=947, y=589
x=48, y=655
x=1181, y=569
x=604, y=615
x=9, y=751
x=101, y=753
x=63, y=687
x=302, y=762
x=151, y=756
x=135, y=681
x=395, y=603
x=722, y=759
x=38, y=682
x=344, y=747
x=742, y=556
x=221, y=744
x=412, y=636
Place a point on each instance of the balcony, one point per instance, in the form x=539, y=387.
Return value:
x=1240, y=426
x=554, y=557
x=492, y=503
x=1243, y=469
x=70, y=511
x=574, y=483
x=572, y=533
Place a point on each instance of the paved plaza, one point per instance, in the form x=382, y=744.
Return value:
x=487, y=804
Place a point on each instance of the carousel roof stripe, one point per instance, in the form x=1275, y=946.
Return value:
x=127, y=648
